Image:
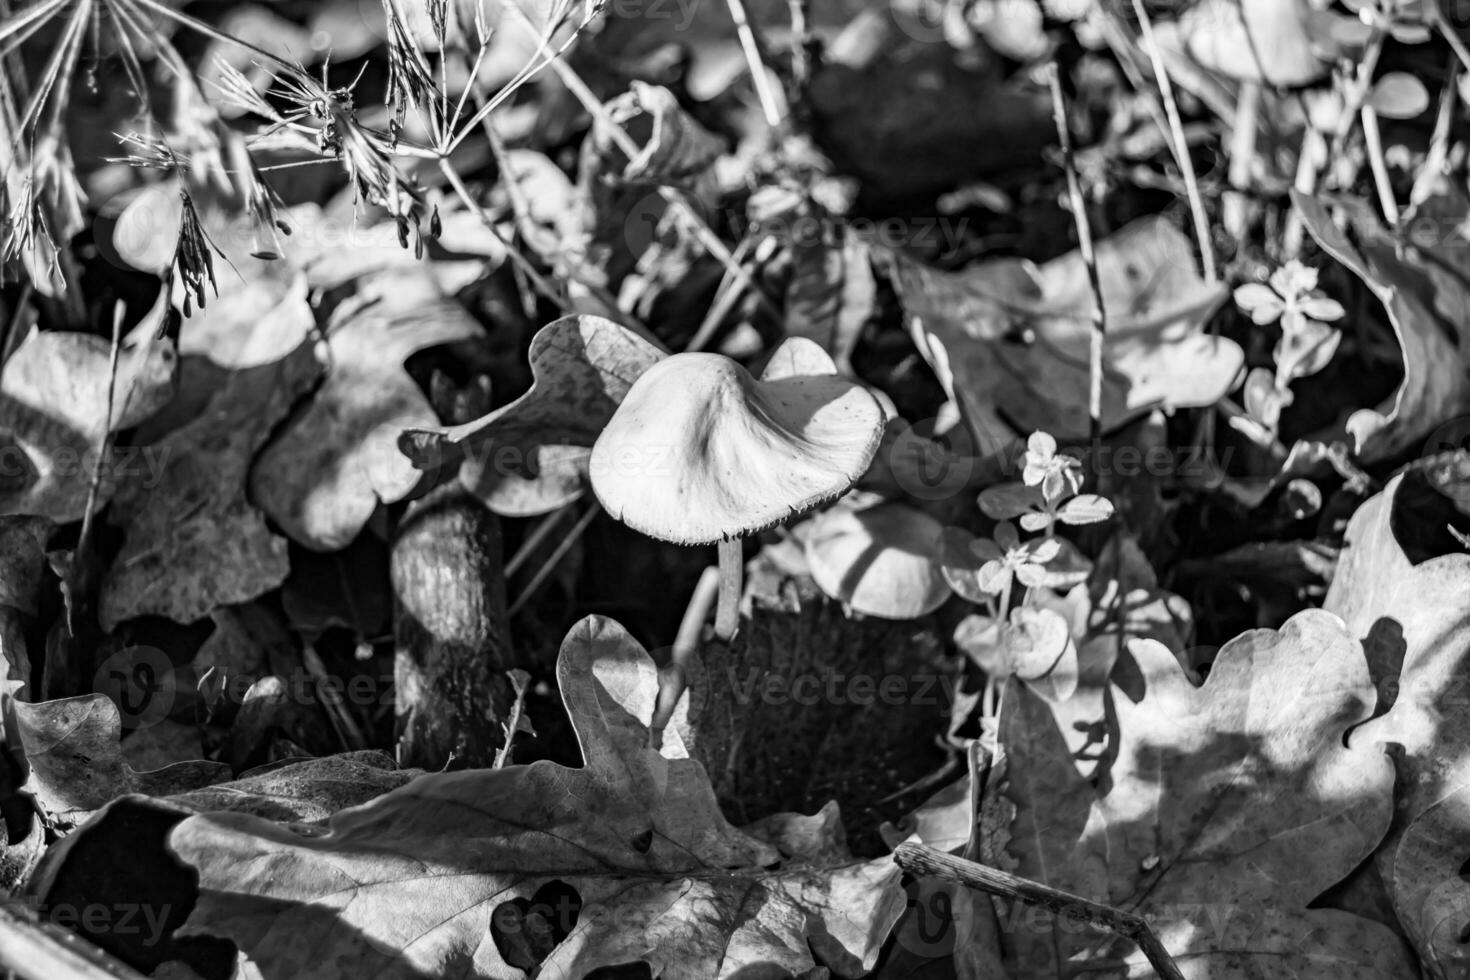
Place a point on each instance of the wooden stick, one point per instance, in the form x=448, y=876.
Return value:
x=452, y=643
x=1089, y=258
x=921, y=860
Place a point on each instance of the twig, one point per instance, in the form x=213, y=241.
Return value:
x=533, y=540
x=522, y=264
x=921, y=860
x=801, y=40
x=1181, y=147
x=1373, y=142
x=758, y=73
x=1427, y=181
x=1314, y=146
x=1242, y=155
x=519, y=680
x=1089, y=258
x=554, y=558
x=726, y=296
x=331, y=697
x=1435, y=16
x=674, y=678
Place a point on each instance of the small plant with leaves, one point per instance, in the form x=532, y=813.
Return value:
x=1027, y=639
x=1308, y=340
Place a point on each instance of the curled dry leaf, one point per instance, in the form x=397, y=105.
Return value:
x=74, y=752
x=1412, y=620
x=1226, y=810
x=328, y=468
x=1008, y=337
x=410, y=883
x=675, y=150
x=53, y=409
x=1422, y=283
x=530, y=457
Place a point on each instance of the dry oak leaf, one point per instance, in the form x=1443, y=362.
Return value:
x=73, y=751
x=53, y=408
x=194, y=542
x=1012, y=337
x=408, y=884
x=531, y=456
x=1415, y=627
x=1226, y=810
x=323, y=475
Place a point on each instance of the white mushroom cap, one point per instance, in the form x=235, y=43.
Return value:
x=882, y=561
x=699, y=451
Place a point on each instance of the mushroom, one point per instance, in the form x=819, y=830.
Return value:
x=880, y=560
x=700, y=452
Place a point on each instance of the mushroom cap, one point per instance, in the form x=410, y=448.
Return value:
x=700, y=451
x=882, y=561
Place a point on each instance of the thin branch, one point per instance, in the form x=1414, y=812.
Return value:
x=1089, y=259
x=758, y=73
x=1373, y=143
x=1181, y=146
x=920, y=860
x=520, y=681
x=554, y=558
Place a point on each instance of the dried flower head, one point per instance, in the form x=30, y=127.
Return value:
x=366, y=153
x=193, y=256
x=410, y=82
x=44, y=206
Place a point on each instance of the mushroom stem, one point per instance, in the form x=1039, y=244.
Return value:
x=727, y=613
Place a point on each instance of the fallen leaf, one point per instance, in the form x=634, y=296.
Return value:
x=1008, y=337
x=531, y=456
x=53, y=409
x=1226, y=810
x=417, y=882
x=73, y=750
x=1423, y=282
x=300, y=791
x=1414, y=625
x=22, y=561
x=323, y=474
x=193, y=541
